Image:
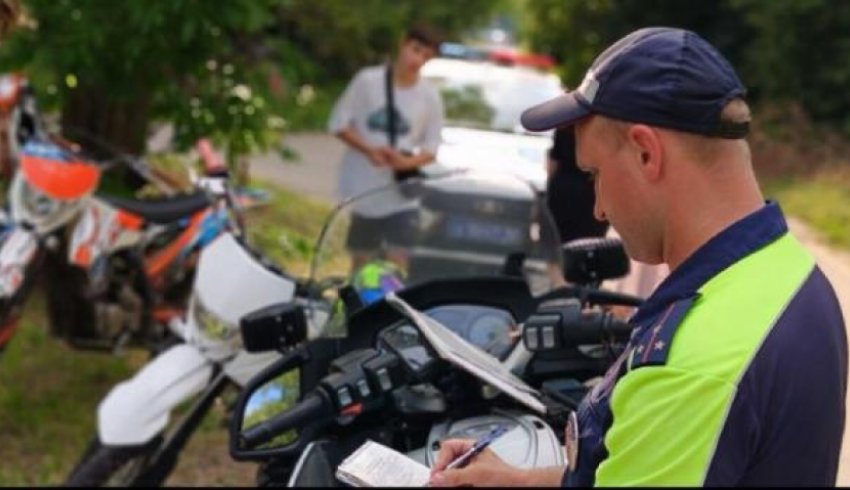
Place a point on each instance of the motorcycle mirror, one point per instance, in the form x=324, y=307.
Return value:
x=274, y=390
x=589, y=261
x=274, y=327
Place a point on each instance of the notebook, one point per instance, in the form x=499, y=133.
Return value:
x=376, y=465
x=466, y=356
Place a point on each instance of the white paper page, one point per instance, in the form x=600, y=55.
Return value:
x=375, y=465
x=458, y=351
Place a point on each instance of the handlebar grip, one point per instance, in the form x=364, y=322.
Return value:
x=313, y=409
x=213, y=164
x=594, y=326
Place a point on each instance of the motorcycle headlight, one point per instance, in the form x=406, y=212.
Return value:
x=213, y=328
x=38, y=204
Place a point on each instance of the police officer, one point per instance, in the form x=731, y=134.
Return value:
x=736, y=371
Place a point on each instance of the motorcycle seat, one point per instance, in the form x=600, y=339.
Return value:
x=161, y=211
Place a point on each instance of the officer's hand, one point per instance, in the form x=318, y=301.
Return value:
x=485, y=469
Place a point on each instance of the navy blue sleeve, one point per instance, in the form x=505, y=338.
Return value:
x=786, y=423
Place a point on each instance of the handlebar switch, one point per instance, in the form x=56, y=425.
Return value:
x=343, y=397
x=362, y=377
x=384, y=371
x=363, y=388
x=541, y=331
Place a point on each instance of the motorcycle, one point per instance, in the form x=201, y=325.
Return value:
x=422, y=381
x=132, y=446
x=380, y=378
x=124, y=258
x=131, y=263
x=137, y=442
x=19, y=120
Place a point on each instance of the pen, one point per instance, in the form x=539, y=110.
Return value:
x=477, y=447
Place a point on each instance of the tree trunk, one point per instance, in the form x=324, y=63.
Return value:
x=104, y=126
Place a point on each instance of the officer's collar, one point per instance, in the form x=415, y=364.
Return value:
x=740, y=239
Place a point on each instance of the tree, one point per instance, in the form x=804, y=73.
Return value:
x=575, y=32
x=798, y=53
x=113, y=67
x=786, y=51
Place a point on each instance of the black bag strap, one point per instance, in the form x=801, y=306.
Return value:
x=400, y=175
x=388, y=89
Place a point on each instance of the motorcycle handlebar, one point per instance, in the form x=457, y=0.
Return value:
x=593, y=326
x=594, y=296
x=313, y=409
x=213, y=164
x=559, y=328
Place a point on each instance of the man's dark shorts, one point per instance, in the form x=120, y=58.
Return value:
x=397, y=230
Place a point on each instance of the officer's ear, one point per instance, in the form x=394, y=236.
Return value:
x=646, y=143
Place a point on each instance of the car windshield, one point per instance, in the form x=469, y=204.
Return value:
x=488, y=96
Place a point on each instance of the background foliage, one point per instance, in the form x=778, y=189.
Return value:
x=786, y=51
x=232, y=71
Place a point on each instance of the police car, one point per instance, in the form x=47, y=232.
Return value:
x=483, y=96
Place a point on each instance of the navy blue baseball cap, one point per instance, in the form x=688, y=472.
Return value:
x=660, y=76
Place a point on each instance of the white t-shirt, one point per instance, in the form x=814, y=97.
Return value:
x=419, y=121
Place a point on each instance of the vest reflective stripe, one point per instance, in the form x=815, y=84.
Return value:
x=667, y=418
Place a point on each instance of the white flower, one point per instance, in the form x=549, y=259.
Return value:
x=306, y=94
x=242, y=92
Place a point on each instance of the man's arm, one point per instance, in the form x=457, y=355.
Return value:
x=667, y=422
x=342, y=117
x=377, y=155
x=399, y=161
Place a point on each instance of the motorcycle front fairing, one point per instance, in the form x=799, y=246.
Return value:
x=230, y=283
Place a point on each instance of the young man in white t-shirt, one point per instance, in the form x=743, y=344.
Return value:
x=360, y=119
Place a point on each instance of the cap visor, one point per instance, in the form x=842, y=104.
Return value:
x=559, y=111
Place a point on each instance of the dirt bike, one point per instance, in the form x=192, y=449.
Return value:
x=480, y=265
x=117, y=267
x=19, y=120
x=139, y=439
x=131, y=263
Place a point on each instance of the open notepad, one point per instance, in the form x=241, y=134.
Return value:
x=376, y=465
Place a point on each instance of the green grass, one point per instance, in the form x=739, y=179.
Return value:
x=49, y=392
x=822, y=200
x=287, y=228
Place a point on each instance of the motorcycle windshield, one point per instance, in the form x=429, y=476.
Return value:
x=460, y=224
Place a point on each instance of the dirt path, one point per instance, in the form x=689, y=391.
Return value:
x=836, y=266
x=315, y=174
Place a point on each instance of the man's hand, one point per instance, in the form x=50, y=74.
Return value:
x=397, y=160
x=378, y=155
x=400, y=161
x=487, y=470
